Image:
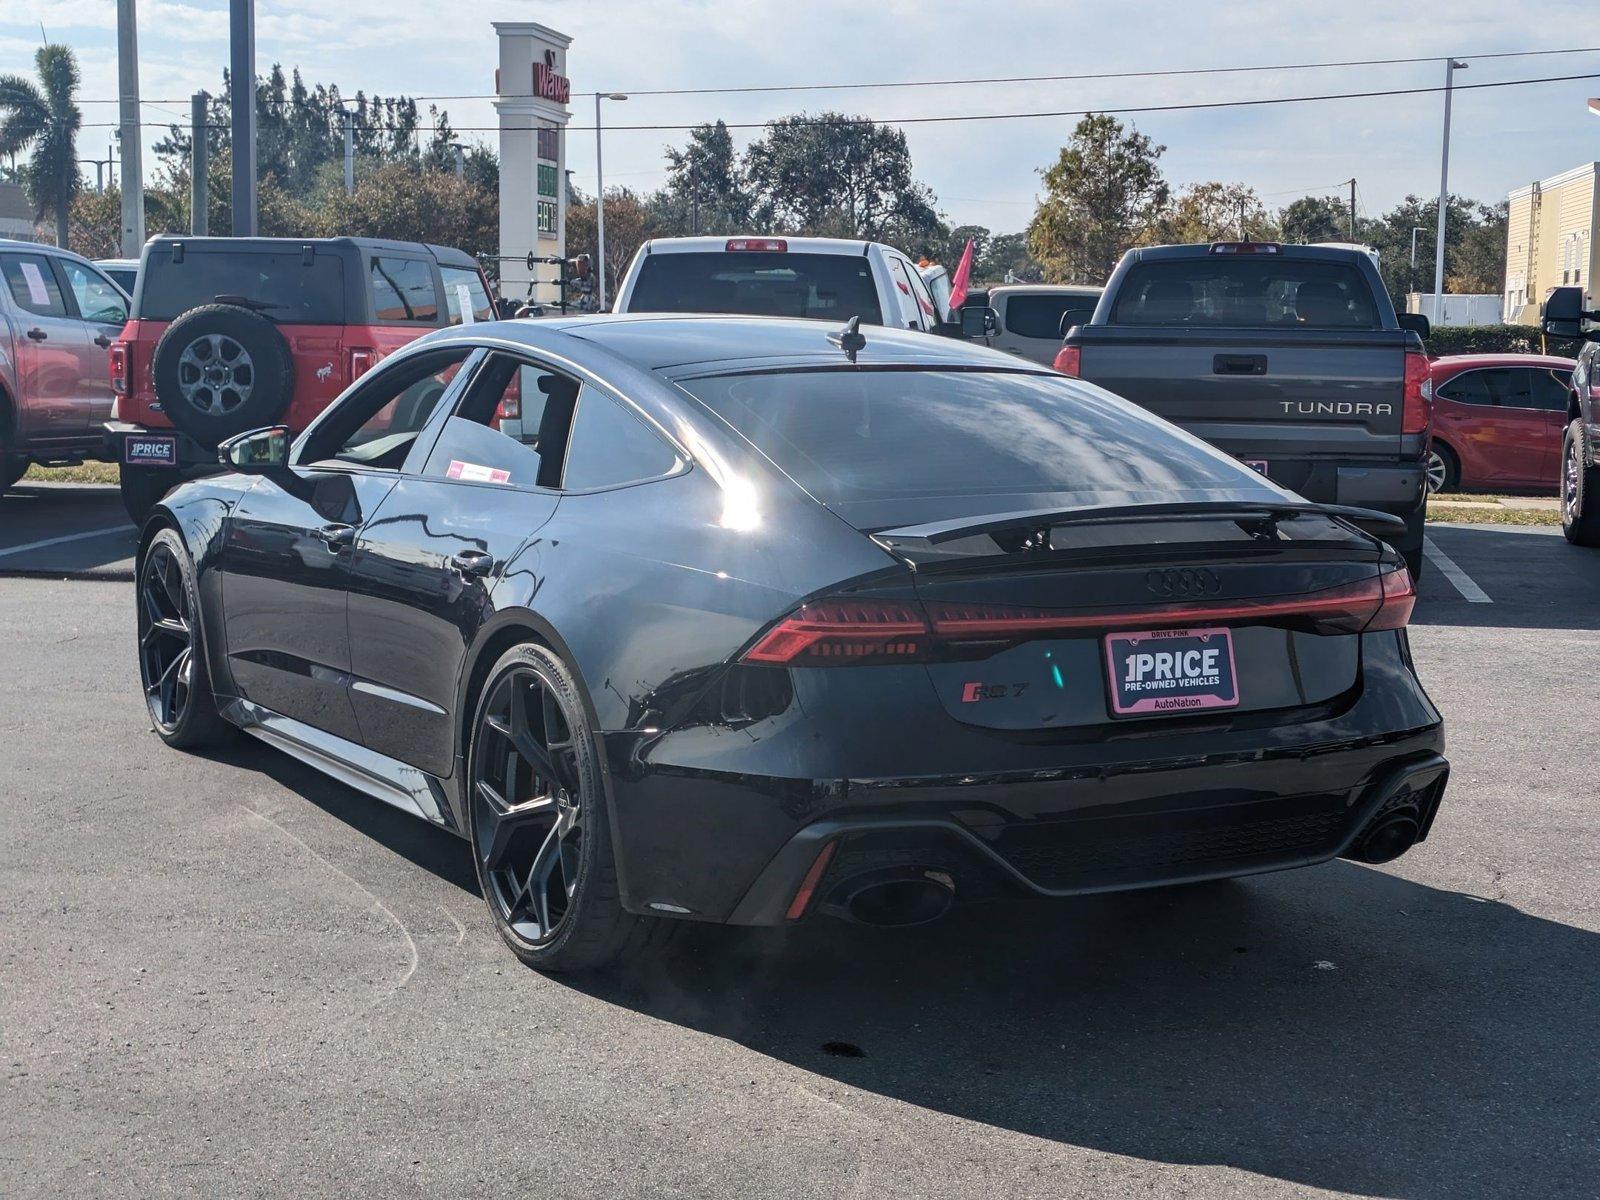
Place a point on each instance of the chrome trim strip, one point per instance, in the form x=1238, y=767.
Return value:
x=396, y=696
x=378, y=775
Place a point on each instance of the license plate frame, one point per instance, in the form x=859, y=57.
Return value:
x=150, y=450
x=1177, y=685
x=1258, y=465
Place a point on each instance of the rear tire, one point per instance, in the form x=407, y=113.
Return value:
x=1409, y=544
x=540, y=821
x=143, y=488
x=172, y=660
x=1580, y=488
x=11, y=470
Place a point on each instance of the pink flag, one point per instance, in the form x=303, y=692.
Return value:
x=960, y=280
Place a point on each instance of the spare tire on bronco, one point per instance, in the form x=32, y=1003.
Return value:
x=221, y=369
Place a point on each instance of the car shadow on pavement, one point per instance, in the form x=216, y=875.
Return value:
x=1337, y=1027
x=1535, y=580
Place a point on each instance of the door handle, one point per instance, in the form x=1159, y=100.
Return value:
x=102, y=341
x=474, y=564
x=38, y=335
x=1239, y=364
x=337, y=537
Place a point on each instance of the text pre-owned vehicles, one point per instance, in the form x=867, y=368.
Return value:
x=229, y=334
x=1031, y=318
x=831, y=279
x=58, y=314
x=1498, y=420
x=1289, y=357
x=743, y=620
x=1563, y=316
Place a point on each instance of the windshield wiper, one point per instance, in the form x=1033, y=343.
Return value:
x=245, y=302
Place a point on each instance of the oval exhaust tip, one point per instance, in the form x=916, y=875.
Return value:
x=900, y=898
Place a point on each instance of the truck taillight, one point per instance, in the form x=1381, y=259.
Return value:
x=1418, y=410
x=1069, y=360
x=361, y=362
x=771, y=245
x=118, y=360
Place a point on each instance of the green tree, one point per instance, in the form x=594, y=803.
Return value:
x=1390, y=235
x=837, y=175
x=414, y=204
x=45, y=117
x=1007, y=256
x=1104, y=193
x=631, y=219
x=1213, y=212
x=705, y=189
x=1315, y=219
x=1479, y=264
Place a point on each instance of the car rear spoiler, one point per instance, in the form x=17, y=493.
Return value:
x=934, y=532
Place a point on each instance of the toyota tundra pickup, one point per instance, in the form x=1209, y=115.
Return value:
x=1290, y=358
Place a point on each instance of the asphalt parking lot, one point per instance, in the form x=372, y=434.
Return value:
x=228, y=975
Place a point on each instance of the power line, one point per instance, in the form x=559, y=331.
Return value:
x=1016, y=116
x=1006, y=79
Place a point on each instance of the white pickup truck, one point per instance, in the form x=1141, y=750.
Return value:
x=830, y=279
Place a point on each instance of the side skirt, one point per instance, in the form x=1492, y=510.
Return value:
x=384, y=778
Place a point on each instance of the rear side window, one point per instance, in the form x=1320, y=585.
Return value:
x=832, y=287
x=464, y=293
x=1552, y=390
x=1040, y=316
x=33, y=284
x=403, y=291
x=609, y=446
x=282, y=285
x=854, y=436
x=1246, y=292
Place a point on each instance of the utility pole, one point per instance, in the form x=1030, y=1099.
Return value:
x=694, y=198
x=461, y=159
x=242, y=67
x=1353, y=237
x=1243, y=237
x=1411, y=278
x=1451, y=66
x=349, y=153
x=200, y=164
x=128, y=121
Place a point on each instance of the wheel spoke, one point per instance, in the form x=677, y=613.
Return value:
x=507, y=822
x=529, y=744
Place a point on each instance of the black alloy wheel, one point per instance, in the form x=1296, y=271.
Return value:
x=1580, y=489
x=537, y=809
x=172, y=669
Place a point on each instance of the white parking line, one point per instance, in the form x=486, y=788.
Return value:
x=56, y=541
x=1446, y=566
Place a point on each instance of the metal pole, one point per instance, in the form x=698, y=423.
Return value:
x=1353, y=209
x=349, y=153
x=461, y=159
x=599, y=209
x=200, y=165
x=1437, y=316
x=128, y=119
x=242, y=68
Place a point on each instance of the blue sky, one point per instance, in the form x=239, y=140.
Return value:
x=983, y=172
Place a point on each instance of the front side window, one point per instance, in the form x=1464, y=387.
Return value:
x=510, y=427
x=402, y=291
x=1246, y=292
x=33, y=284
x=376, y=425
x=464, y=293
x=97, y=297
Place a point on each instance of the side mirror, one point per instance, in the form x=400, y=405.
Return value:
x=977, y=321
x=1561, y=314
x=257, y=452
x=1416, y=323
x=1074, y=316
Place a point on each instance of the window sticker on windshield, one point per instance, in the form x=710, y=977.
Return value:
x=36, y=288
x=475, y=473
x=464, y=303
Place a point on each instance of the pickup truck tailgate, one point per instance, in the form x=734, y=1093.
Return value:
x=1258, y=393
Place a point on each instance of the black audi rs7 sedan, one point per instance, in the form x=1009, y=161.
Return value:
x=745, y=620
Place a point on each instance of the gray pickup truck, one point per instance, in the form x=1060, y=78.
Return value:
x=1290, y=358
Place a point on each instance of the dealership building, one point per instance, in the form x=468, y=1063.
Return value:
x=1550, y=240
x=532, y=97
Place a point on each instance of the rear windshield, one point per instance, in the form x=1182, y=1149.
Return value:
x=833, y=287
x=279, y=283
x=855, y=436
x=1040, y=316
x=1256, y=292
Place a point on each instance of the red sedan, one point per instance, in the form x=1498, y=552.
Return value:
x=1498, y=421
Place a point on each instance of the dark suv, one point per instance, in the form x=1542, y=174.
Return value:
x=230, y=334
x=1563, y=316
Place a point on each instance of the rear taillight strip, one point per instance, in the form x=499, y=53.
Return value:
x=848, y=631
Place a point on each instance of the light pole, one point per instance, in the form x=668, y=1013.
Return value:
x=600, y=197
x=349, y=150
x=1451, y=66
x=128, y=121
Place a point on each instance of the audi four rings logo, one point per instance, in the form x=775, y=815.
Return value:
x=1174, y=583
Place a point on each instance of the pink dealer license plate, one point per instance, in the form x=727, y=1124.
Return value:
x=1166, y=671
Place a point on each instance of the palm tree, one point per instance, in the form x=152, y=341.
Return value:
x=44, y=116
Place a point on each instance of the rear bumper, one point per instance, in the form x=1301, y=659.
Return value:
x=1397, y=488
x=1179, y=844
